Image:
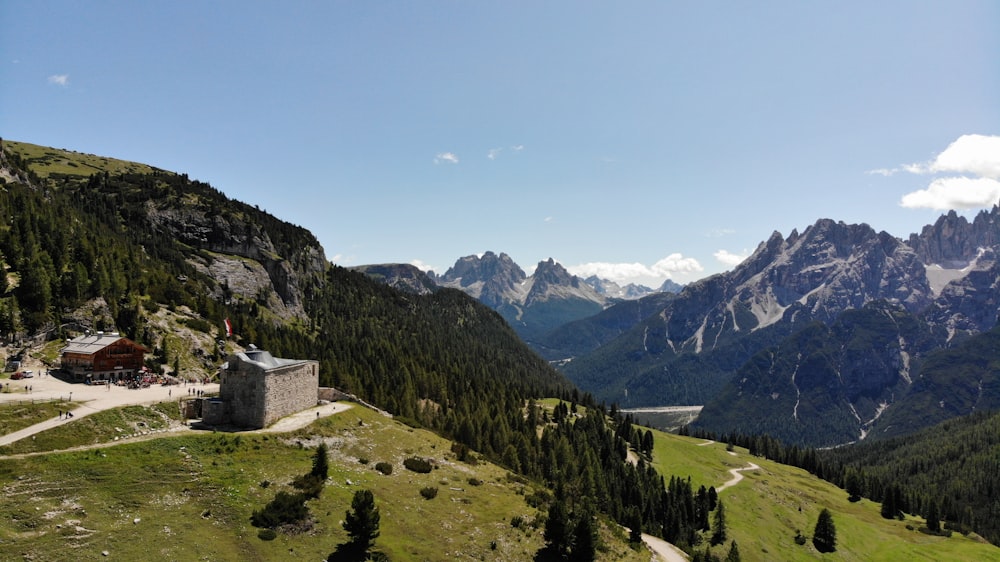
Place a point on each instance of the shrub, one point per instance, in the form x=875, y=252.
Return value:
x=267, y=535
x=429, y=493
x=418, y=465
x=284, y=508
x=310, y=484
x=384, y=467
x=475, y=482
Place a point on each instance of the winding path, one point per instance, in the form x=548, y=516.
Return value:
x=737, y=476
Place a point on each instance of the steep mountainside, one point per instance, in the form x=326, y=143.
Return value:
x=726, y=318
x=687, y=351
x=824, y=385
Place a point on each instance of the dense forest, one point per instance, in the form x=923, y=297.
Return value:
x=441, y=361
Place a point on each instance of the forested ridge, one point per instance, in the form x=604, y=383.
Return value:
x=441, y=361
x=952, y=468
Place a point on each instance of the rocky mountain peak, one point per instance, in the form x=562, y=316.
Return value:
x=952, y=241
x=473, y=269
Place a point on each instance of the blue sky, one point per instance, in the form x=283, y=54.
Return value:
x=641, y=140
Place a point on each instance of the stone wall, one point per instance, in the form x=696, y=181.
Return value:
x=290, y=389
x=256, y=397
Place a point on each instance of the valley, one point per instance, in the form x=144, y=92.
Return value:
x=834, y=335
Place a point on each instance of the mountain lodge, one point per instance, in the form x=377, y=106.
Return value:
x=102, y=356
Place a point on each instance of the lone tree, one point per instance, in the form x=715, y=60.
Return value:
x=361, y=522
x=825, y=535
x=321, y=464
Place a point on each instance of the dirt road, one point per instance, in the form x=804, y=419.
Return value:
x=664, y=550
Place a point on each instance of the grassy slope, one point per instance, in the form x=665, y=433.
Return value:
x=193, y=496
x=764, y=511
x=46, y=161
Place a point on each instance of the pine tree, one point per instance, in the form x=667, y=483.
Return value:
x=719, y=524
x=584, y=539
x=734, y=553
x=933, y=519
x=888, y=509
x=825, y=535
x=321, y=464
x=362, y=521
x=557, y=533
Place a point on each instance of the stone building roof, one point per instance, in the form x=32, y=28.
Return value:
x=263, y=359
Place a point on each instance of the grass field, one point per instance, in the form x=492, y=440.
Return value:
x=190, y=498
x=46, y=161
x=769, y=506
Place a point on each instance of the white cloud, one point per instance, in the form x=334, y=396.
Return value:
x=422, y=266
x=977, y=159
x=549, y=219
x=59, y=80
x=728, y=258
x=971, y=154
x=954, y=193
x=886, y=172
x=720, y=232
x=666, y=268
x=446, y=157
x=495, y=152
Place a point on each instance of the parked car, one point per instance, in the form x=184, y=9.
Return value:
x=17, y=376
x=28, y=374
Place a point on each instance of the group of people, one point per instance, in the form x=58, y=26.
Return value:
x=65, y=415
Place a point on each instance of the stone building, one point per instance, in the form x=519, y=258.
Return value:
x=257, y=389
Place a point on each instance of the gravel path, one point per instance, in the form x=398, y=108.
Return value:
x=83, y=400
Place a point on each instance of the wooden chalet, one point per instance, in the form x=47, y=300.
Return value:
x=102, y=356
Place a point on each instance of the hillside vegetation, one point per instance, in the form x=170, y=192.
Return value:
x=191, y=498
x=770, y=506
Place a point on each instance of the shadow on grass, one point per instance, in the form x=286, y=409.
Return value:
x=349, y=552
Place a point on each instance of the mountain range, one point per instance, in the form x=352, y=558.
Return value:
x=821, y=337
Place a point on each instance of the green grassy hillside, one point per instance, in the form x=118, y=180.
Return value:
x=45, y=161
x=769, y=506
x=191, y=497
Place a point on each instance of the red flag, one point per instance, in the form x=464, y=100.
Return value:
x=229, y=328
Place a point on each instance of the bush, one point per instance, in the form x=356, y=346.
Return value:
x=310, y=484
x=284, y=508
x=267, y=535
x=384, y=467
x=429, y=493
x=475, y=482
x=418, y=465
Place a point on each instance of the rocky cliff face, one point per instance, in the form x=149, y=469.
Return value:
x=403, y=277
x=493, y=279
x=249, y=262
